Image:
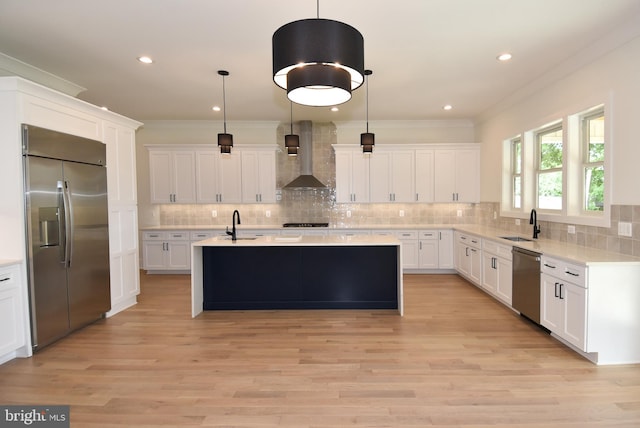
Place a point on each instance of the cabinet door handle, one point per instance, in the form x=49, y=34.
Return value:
x=466, y=251
x=561, y=296
x=421, y=245
x=417, y=198
x=440, y=236
x=556, y=289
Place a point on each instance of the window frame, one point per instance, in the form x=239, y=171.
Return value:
x=585, y=141
x=549, y=129
x=573, y=169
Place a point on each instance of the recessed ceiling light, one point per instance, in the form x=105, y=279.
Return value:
x=504, y=57
x=216, y=108
x=447, y=107
x=335, y=109
x=145, y=60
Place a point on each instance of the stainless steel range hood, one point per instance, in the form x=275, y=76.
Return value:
x=305, y=180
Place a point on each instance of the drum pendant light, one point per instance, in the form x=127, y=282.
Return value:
x=225, y=141
x=292, y=141
x=318, y=61
x=367, y=139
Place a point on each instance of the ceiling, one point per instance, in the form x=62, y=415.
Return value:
x=423, y=53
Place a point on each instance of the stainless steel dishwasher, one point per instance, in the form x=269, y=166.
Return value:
x=526, y=283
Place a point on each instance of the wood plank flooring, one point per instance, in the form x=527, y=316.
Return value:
x=456, y=359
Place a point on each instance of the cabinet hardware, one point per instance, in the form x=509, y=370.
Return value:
x=549, y=266
x=571, y=273
x=440, y=236
x=556, y=289
x=561, y=287
x=421, y=245
x=5, y=279
x=466, y=251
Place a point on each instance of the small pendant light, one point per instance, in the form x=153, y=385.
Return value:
x=367, y=139
x=292, y=141
x=225, y=141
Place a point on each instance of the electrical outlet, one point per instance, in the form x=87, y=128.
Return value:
x=571, y=229
x=517, y=222
x=214, y=213
x=459, y=213
x=267, y=213
x=401, y=213
x=348, y=213
x=624, y=229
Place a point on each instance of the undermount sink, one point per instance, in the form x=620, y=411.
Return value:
x=516, y=238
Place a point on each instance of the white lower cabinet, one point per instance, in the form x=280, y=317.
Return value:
x=436, y=249
x=468, y=257
x=170, y=250
x=563, y=302
x=12, y=315
x=496, y=270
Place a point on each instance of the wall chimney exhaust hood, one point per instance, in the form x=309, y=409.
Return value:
x=305, y=180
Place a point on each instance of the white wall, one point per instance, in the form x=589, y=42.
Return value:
x=613, y=78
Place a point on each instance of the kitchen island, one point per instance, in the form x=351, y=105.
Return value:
x=296, y=272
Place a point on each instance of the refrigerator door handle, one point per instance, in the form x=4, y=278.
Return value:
x=62, y=223
x=68, y=224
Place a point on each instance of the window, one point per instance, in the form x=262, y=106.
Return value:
x=592, y=143
x=516, y=173
x=549, y=168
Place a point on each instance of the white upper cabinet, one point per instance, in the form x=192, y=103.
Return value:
x=218, y=177
x=172, y=176
x=424, y=176
x=392, y=175
x=258, y=175
x=457, y=175
x=352, y=176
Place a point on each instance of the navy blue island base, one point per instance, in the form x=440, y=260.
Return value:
x=300, y=277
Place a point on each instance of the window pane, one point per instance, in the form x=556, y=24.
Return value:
x=550, y=190
x=594, y=188
x=550, y=149
x=517, y=192
x=596, y=139
x=517, y=157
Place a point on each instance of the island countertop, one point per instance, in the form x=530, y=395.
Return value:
x=299, y=241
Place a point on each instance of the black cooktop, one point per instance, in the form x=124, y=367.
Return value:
x=305, y=225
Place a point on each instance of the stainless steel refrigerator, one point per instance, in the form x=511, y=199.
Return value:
x=67, y=232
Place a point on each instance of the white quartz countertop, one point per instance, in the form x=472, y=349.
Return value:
x=300, y=241
x=242, y=227
x=9, y=262
x=551, y=248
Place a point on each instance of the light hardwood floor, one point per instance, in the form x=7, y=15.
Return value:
x=457, y=358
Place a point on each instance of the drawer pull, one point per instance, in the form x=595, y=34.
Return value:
x=5, y=279
x=549, y=266
x=153, y=235
x=571, y=273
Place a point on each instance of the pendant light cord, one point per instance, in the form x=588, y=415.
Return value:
x=367, y=77
x=291, y=117
x=224, y=105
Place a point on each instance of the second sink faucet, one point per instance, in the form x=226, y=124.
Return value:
x=533, y=219
x=233, y=233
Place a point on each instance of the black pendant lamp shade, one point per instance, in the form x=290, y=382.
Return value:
x=225, y=141
x=292, y=141
x=367, y=139
x=318, y=61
